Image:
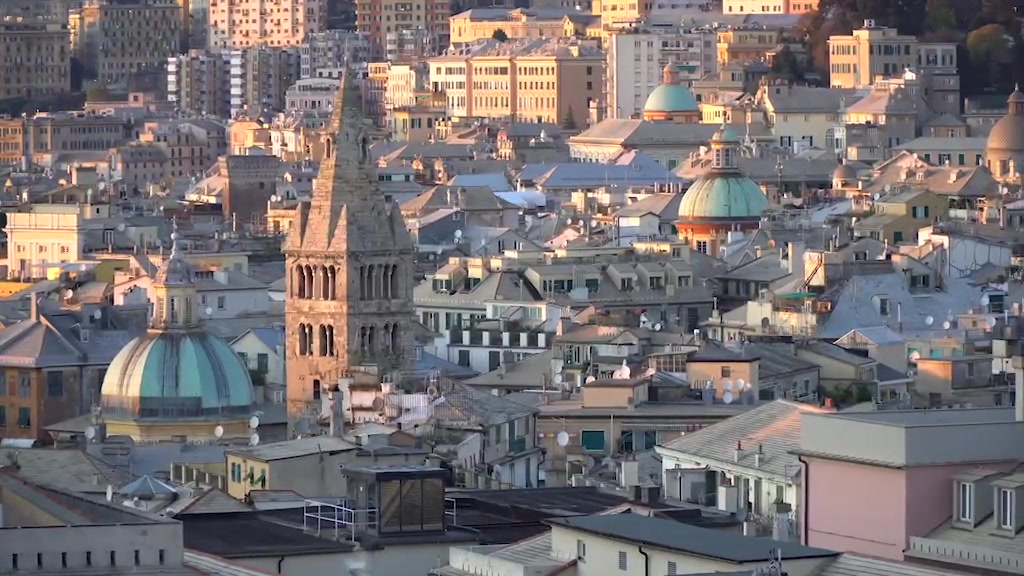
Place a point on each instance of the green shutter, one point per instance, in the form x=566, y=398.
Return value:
x=592, y=440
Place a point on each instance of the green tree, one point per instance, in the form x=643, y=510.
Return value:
x=500, y=35
x=98, y=92
x=569, y=120
x=991, y=48
x=785, y=65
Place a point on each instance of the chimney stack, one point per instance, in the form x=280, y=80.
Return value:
x=759, y=456
x=337, y=414
x=739, y=451
x=34, y=306
x=1018, y=385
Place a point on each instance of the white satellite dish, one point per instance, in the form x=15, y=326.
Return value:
x=97, y=314
x=657, y=326
x=747, y=387
x=984, y=300
x=208, y=311
x=929, y=320
x=727, y=398
x=90, y=433
x=496, y=472
x=727, y=384
x=650, y=372
x=590, y=379
x=120, y=226
x=946, y=325
x=254, y=422
x=110, y=493
x=218, y=432
x=915, y=356
x=557, y=378
x=458, y=233
x=254, y=440
x=562, y=438
x=69, y=294
x=991, y=322
x=740, y=383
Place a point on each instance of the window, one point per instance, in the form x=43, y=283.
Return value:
x=222, y=302
x=672, y=569
x=25, y=384
x=581, y=550
x=726, y=371
x=883, y=306
x=623, y=564
x=316, y=389
x=262, y=363
x=1006, y=498
x=161, y=557
x=3, y=416
x=88, y=558
x=592, y=440
x=113, y=558
x=702, y=246
x=39, y=559
x=55, y=384
x=244, y=358
x=464, y=358
x=137, y=559
x=965, y=513
x=63, y=559
x=24, y=417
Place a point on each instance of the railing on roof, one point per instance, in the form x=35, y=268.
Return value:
x=343, y=518
x=965, y=554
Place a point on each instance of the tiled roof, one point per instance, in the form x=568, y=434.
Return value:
x=773, y=427
x=462, y=403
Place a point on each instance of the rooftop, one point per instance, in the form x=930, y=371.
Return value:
x=295, y=448
x=251, y=534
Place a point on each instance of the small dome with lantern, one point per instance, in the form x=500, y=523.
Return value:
x=672, y=100
x=177, y=379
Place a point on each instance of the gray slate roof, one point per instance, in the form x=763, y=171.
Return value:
x=462, y=403
x=692, y=540
x=774, y=426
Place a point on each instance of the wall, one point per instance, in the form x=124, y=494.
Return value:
x=148, y=540
x=791, y=489
x=704, y=370
x=603, y=553
x=252, y=347
x=390, y=560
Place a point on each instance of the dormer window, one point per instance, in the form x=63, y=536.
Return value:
x=1007, y=499
x=965, y=508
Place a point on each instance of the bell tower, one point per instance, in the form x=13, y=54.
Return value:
x=349, y=265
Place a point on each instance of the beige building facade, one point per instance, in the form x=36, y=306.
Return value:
x=379, y=18
x=35, y=58
x=238, y=24
x=45, y=136
x=118, y=39
x=529, y=23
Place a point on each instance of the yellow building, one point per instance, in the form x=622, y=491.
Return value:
x=379, y=18
x=519, y=23
x=528, y=80
x=45, y=136
x=236, y=24
x=743, y=45
x=769, y=6
x=35, y=58
x=900, y=214
x=417, y=123
x=119, y=39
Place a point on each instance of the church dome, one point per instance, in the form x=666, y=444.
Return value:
x=671, y=96
x=724, y=193
x=172, y=375
x=844, y=173
x=1007, y=135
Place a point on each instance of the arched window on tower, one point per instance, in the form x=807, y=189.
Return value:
x=325, y=284
x=298, y=283
x=329, y=148
x=362, y=283
x=330, y=341
x=332, y=276
x=394, y=281
x=386, y=337
x=362, y=341
x=323, y=346
x=309, y=339
x=188, y=311
x=396, y=339
x=309, y=281
x=303, y=342
x=371, y=340
x=174, y=310
x=371, y=288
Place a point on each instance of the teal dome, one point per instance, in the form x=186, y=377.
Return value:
x=671, y=98
x=172, y=375
x=723, y=196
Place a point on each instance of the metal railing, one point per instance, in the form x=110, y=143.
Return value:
x=341, y=517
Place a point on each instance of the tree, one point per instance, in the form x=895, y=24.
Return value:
x=785, y=65
x=98, y=92
x=500, y=35
x=569, y=120
x=991, y=48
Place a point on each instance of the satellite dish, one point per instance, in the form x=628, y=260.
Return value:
x=657, y=326
x=254, y=440
x=110, y=493
x=496, y=472
x=727, y=384
x=377, y=404
x=97, y=314
x=929, y=320
x=90, y=433
x=557, y=378
x=915, y=356
x=218, y=432
x=984, y=300
x=740, y=383
x=650, y=372
x=590, y=379
x=946, y=325
x=991, y=322
x=562, y=438
x=254, y=422
x=208, y=311
x=747, y=387
x=727, y=398
x=120, y=226
x=69, y=294
x=458, y=233
x=432, y=391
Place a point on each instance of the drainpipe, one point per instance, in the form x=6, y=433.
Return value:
x=279, y=563
x=805, y=478
x=647, y=561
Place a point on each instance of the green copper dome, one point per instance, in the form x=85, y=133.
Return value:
x=723, y=196
x=172, y=374
x=671, y=98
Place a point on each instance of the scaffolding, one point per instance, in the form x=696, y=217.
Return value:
x=342, y=517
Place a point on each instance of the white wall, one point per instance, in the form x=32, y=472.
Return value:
x=252, y=347
x=966, y=255
x=389, y=561
x=75, y=541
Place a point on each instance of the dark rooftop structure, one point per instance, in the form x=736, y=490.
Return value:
x=686, y=539
x=250, y=534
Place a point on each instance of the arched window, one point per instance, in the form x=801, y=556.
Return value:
x=371, y=288
x=362, y=341
x=362, y=283
x=174, y=310
x=371, y=340
x=330, y=341
x=309, y=339
x=188, y=311
x=309, y=281
x=323, y=346
x=325, y=284
x=394, y=279
x=396, y=339
x=385, y=345
x=303, y=342
x=332, y=276
x=298, y=284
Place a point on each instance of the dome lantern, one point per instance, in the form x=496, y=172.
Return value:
x=174, y=291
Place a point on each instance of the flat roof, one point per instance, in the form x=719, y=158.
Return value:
x=931, y=417
x=692, y=540
x=252, y=534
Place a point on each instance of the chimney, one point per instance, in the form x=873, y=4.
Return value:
x=337, y=414
x=1018, y=385
x=759, y=456
x=739, y=451
x=759, y=252
x=34, y=306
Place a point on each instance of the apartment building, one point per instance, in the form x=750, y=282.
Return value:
x=543, y=80
x=54, y=10
x=874, y=51
x=118, y=38
x=259, y=78
x=404, y=82
x=375, y=86
x=238, y=24
x=743, y=45
x=45, y=136
x=330, y=49
x=312, y=94
x=769, y=6
x=482, y=23
x=634, y=63
x=196, y=83
x=35, y=57
x=377, y=18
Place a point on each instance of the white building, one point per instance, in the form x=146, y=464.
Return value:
x=634, y=64
x=312, y=94
x=404, y=80
x=223, y=294
x=262, y=350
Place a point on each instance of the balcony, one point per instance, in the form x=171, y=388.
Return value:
x=517, y=445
